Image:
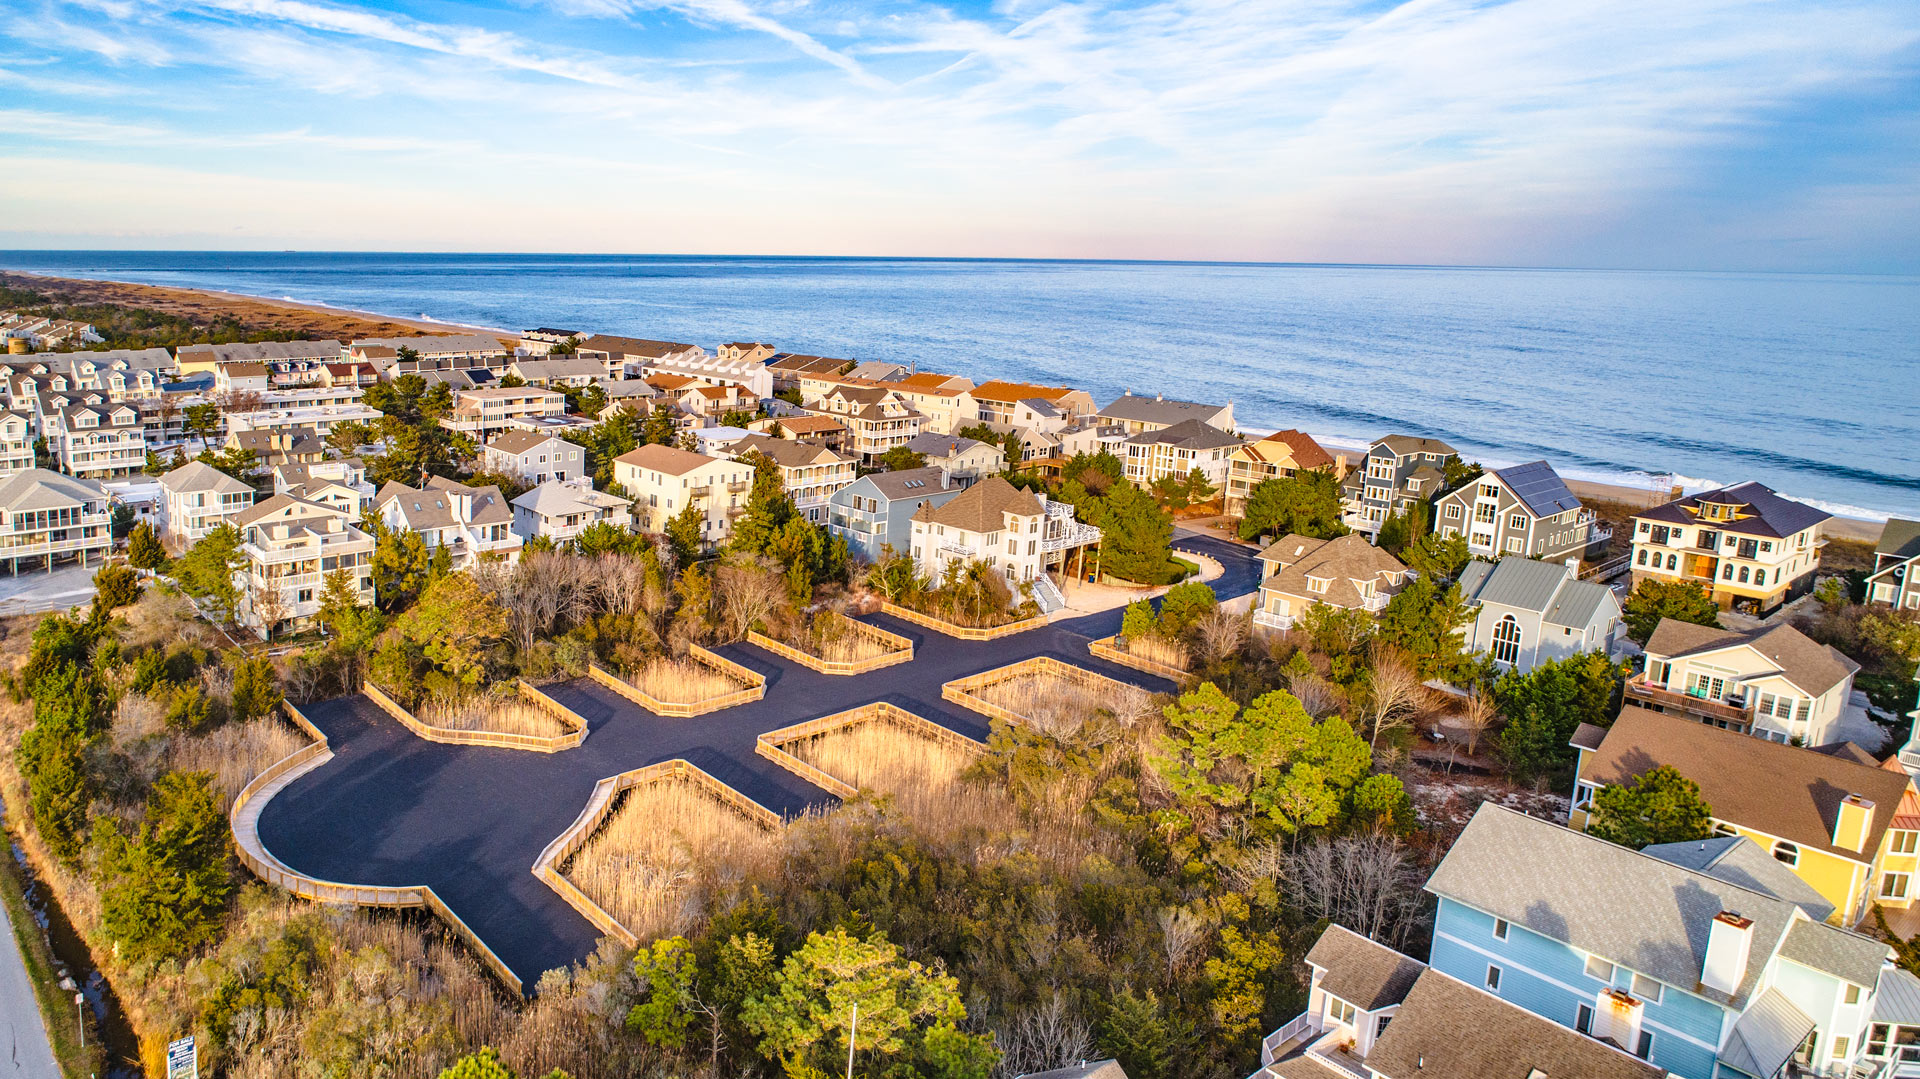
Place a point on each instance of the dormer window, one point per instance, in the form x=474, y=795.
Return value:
x=1317, y=585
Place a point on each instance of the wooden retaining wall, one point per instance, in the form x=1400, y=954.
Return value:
x=575, y=724
x=899, y=650
x=244, y=821
x=964, y=633
x=962, y=691
x=1108, y=648
x=771, y=745
x=755, y=689
x=600, y=805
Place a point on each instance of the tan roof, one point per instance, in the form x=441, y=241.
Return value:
x=1365, y=974
x=981, y=508
x=786, y=452
x=811, y=424
x=244, y=369
x=200, y=476
x=281, y=505
x=669, y=382
x=656, y=458
x=1341, y=561
x=518, y=441
x=997, y=390
x=632, y=346
x=1782, y=790
x=1447, y=1028
x=1812, y=666
x=429, y=507
x=1290, y=445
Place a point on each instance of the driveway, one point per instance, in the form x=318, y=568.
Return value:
x=34, y=591
x=390, y=809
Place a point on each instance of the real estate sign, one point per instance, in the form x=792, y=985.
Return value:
x=183, y=1059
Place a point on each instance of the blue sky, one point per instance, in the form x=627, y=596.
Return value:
x=1636, y=133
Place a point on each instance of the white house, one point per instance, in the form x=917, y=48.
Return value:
x=197, y=498
x=1020, y=533
x=45, y=516
x=533, y=457
x=470, y=522
x=561, y=511
x=1528, y=612
x=1773, y=682
x=289, y=546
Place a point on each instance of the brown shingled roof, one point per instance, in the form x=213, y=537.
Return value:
x=1447, y=1028
x=1812, y=666
x=981, y=508
x=1361, y=972
x=667, y=459
x=1294, y=445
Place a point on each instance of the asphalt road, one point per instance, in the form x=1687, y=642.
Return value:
x=26, y=1053
x=390, y=809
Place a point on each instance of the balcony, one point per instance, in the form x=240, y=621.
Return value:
x=1272, y=620
x=1068, y=533
x=1643, y=692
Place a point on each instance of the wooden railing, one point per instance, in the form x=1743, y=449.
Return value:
x=1637, y=690
x=965, y=633
x=1110, y=649
x=963, y=691
x=537, y=743
x=755, y=688
x=898, y=650
x=600, y=805
x=244, y=821
x=772, y=745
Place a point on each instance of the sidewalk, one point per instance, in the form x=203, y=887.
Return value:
x=27, y=1054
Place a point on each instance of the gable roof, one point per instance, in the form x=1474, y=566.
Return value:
x=1620, y=904
x=1362, y=972
x=556, y=497
x=1740, y=861
x=667, y=459
x=40, y=489
x=929, y=382
x=1157, y=409
x=430, y=507
x=1538, y=487
x=200, y=476
x=1545, y=588
x=910, y=482
x=1402, y=445
x=813, y=423
x=1899, y=539
x=1187, y=434
x=1450, y=1030
x=942, y=445
x=1341, y=561
x=282, y=504
x=519, y=440
x=1091, y=1069
x=1812, y=666
x=431, y=344
x=1772, y=787
x=1295, y=445
x=1771, y=515
x=786, y=452
x=982, y=507
x=262, y=350
x=1010, y=392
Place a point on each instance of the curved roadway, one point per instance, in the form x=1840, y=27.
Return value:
x=391, y=809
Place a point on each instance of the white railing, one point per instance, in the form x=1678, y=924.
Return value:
x=1297, y=1028
x=1272, y=620
x=1072, y=534
x=1047, y=595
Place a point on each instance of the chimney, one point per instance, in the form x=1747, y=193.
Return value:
x=1729, y=941
x=943, y=479
x=1852, y=823
x=1573, y=568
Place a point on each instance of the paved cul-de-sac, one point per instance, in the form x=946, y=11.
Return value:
x=392, y=809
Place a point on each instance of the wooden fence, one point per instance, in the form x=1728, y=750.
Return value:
x=965, y=633
x=552, y=743
x=600, y=805
x=963, y=691
x=899, y=650
x=244, y=821
x=755, y=688
x=1109, y=649
x=771, y=745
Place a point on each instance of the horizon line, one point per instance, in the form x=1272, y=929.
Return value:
x=663, y=255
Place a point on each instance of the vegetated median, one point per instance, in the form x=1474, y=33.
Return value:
x=879, y=747
x=699, y=682
x=833, y=643
x=525, y=718
x=1046, y=695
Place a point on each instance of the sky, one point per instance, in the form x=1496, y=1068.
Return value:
x=1700, y=134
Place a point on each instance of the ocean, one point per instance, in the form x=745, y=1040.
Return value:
x=1807, y=383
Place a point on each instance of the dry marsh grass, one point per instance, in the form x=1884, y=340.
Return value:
x=235, y=753
x=665, y=846
x=835, y=638
x=919, y=773
x=492, y=713
x=683, y=681
x=1060, y=705
x=1156, y=649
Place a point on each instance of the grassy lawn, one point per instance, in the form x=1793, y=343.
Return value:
x=56, y=1004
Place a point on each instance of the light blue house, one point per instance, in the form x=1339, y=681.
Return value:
x=1527, y=612
x=877, y=510
x=1705, y=977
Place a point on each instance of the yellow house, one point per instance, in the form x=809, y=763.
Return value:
x=1846, y=825
x=1748, y=547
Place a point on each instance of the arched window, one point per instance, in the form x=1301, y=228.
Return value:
x=1786, y=852
x=1743, y=575
x=1673, y=561
x=1643, y=556
x=1506, y=640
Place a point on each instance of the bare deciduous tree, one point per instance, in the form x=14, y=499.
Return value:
x=749, y=591
x=1477, y=716
x=1392, y=694
x=1049, y=1035
x=1317, y=695
x=1368, y=883
x=1221, y=634
x=1181, y=931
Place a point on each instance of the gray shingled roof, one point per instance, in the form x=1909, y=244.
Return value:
x=942, y=445
x=1899, y=539
x=1740, y=861
x=1539, y=487
x=200, y=476
x=1640, y=912
x=909, y=482
x=1094, y=1069
x=1187, y=434
x=1143, y=409
x=1772, y=515
x=554, y=497
x=39, y=489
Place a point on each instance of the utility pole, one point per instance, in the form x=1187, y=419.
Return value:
x=853, y=1031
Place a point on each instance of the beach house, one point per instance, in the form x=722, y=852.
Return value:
x=1347, y=573
x=876, y=512
x=1526, y=510
x=810, y=472
x=1528, y=612
x=46, y=517
x=1772, y=682
x=197, y=498
x=960, y=456
x=533, y=457
x=561, y=510
x=1707, y=974
x=1177, y=450
x=1750, y=548
x=97, y=441
x=1021, y=533
x=1398, y=471
x=1139, y=414
x=1840, y=821
x=1277, y=456
x=288, y=548
x=469, y=523
x=1895, y=580
x=664, y=481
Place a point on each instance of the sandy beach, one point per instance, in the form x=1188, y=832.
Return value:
x=204, y=306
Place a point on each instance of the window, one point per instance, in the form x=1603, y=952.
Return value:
x=1489, y=490
x=1583, y=793
x=1904, y=842
x=1743, y=575
x=1583, y=1019
x=1726, y=574
x=1853, y=994
x=1339, y=1010
x=1784, y=851
x=1453, y=511
x=1518, y=520
x=1645, y=1049
x=1647, y=989
x=1893, y=886
x=1380, y=1025
x=1493, y=978
x=1506, y=640
x=1642, y=557
x=1673, y=562
x=1877, y=1039
x=1599, y=969
x=1500, y=928
x=1840, y=1044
